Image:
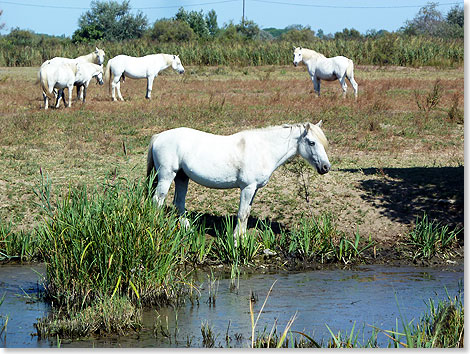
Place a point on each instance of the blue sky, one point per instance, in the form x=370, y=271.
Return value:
x=61, y=17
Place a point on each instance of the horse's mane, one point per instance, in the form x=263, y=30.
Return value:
x=310, y=53
x=168, y=58
x=315, y=129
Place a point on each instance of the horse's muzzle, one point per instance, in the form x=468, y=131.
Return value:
x=181, y=71
x=295, y=64
x=325, y=168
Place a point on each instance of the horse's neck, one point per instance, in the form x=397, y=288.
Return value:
x=90, y=58
x=167, y=60
x=311, y=57
x=283, y=141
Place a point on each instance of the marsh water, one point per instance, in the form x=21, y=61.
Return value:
x=366, y=295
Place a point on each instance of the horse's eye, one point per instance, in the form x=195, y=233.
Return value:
x=311, y=143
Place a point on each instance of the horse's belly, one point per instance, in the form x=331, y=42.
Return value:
x=325, y=77
x=211, y=178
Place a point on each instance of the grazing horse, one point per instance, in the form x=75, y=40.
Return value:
x=96, y=57
x=57, y=75
x=329, y=69
x=148, y=67
x=82, y=79
x=243, y=160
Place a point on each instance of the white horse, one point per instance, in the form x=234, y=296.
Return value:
x=58, y=75
x=95, y=57
x=245, y=160
x=83, y=77
x=149, y=66
x=322, y=68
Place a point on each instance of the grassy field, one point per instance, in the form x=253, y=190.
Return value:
x=392, y=158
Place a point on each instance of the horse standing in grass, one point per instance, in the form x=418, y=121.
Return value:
x=82, y=79
x=243, y=160
x=329, y=69
x=58, y=75
x=148, y=67
x=95, y=57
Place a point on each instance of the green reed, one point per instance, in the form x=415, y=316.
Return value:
x=430, y=238
x=390, y=49
x=112, y=241
x=318, y=239
x=17, y=245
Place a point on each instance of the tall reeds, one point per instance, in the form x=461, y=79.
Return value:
x=112, y=242
x=391, y=49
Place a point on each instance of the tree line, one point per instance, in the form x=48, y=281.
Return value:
x=430, y=38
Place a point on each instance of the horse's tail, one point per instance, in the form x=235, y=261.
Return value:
x=350, y=69
x=44, y=82
x=107, y=75
x=151, y=176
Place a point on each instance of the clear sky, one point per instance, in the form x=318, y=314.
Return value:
x=61, y=17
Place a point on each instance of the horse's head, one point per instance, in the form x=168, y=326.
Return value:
x=99, y=53
x=176, y=64
x=312, y=147
x=297, y=55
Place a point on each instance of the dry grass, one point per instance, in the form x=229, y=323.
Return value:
x=389, y=163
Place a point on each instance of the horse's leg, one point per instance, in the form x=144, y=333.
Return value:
x=79, y=97
x=70, y=87
x=118, y=88
x=316, y=85
x=246, y=199
x=149, y=87
x=84, y=92
x=165, y=177
x=354, y=84
x=59, y=96
x=46, y=100
x=181, y=187
x=342, y=81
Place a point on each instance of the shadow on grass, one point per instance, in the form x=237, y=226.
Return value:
x=218, y=222
x=406, y=193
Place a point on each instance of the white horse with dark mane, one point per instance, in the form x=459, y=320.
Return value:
x=95, y=57
x=329, y=69
x=86, y=72
x=243, y=160
x=146, y=67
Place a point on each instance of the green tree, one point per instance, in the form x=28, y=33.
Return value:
x=427, y=22
x=211, y=21
x=111, y=20
x=168, y=30
x=455, y=16
x=298, y=34
x=195, y=20
x=348, y=34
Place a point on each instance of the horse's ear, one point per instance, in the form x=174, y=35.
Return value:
x=174, y=57
x=293, y=47
x=319, y=124
x=307, y=126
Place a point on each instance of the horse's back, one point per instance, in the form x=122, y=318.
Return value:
x=208, y=159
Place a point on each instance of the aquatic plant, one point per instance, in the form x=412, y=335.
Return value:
x=106, y=315
x=225, y=250
x=430, y=238
x=318, y=238
x=112, y=241
x=19, y=245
